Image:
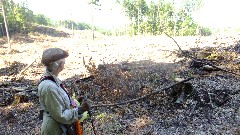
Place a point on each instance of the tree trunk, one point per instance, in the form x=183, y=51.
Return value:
x=5, y=21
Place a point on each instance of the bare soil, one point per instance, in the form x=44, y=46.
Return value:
x=124, y=68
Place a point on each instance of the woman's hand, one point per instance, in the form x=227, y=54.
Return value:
x=85, y=106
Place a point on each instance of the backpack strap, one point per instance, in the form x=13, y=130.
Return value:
x=61, y=85
x=77, y=125
x=47, y=78
x=52, y=79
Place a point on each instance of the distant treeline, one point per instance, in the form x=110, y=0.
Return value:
x=169, y=16
x=146, y=18
x=72, y=25
x=20, y=19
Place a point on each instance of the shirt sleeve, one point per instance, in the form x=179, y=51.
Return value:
x=55, y=106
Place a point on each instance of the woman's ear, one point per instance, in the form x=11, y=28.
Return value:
x=62, y=64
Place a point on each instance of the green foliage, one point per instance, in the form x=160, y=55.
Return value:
x=20, y=19
x=185, y=25
x=162, y=17
x=69, y=24
x=153, y=18
x=108, y=123
x=203, y=31
x=41, y=19
x=136, y=10
x=104, y=31
x=94, y=2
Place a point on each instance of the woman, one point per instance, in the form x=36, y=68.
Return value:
x=58, y=108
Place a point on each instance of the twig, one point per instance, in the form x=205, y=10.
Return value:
x=117, y=106
x=193, y=109
x=205, y=63
x=210, y=100
x=92, y=120
x=175, y=42
x=145, y=96
x=17, y=89
x=23, y=71
x=227, y=71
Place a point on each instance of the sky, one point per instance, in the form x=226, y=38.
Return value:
x=214, y=13
x=80, y=11
x=219, y=13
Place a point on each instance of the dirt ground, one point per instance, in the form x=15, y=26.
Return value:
x=125, y=68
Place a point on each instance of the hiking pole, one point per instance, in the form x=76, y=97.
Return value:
x=90, y=115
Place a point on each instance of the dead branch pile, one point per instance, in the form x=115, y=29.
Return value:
x=207, y=104
x=215, y=92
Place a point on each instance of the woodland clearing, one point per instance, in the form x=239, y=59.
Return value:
x=118, y=69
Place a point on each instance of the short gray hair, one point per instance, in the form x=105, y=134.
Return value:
x=52, y=66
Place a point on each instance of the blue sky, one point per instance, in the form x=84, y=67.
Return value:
x=214, y=13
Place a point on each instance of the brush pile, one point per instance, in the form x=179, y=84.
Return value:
x=109, y=73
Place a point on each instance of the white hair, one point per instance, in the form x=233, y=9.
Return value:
x=53, y=66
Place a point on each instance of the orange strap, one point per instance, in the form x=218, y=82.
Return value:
x=78, y=128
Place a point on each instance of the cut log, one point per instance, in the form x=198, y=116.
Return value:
x=180, y=92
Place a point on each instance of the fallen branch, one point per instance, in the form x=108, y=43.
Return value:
x=205, y=63
x=175, y=42
x=145, y=96
x=18, y=89
x=25, y=69
x=193, y=109
x=227, y=71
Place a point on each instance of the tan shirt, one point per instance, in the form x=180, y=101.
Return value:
x=54, y=100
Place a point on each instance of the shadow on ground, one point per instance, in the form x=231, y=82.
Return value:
x=126, y=80
x=215, y=95
x=13, y=69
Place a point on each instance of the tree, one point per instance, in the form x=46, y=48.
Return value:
x=162, y=16
x=203, y=31
x=41, y=19
x=152, y=18
x=5, y=22
x=20, y=18
x=136, y=11
x=93, y=3
x=192, y=6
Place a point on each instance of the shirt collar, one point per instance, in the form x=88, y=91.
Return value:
x=47, y=73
